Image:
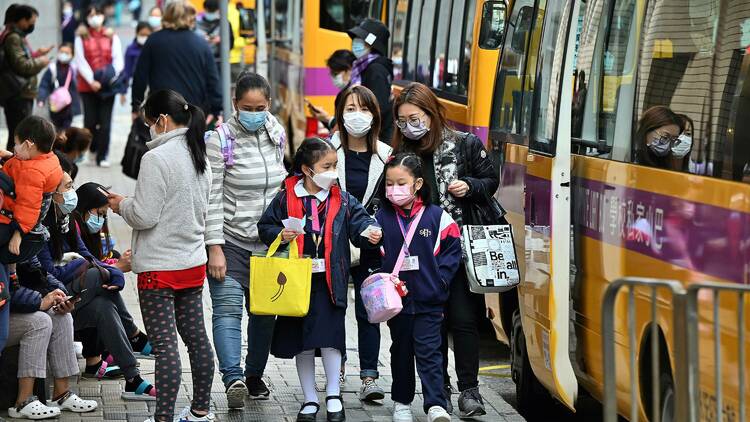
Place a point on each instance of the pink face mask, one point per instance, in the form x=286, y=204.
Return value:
x=399, y=195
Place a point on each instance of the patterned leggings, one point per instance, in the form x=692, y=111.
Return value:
x=160, y=309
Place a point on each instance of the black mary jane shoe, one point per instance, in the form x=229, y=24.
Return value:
x=339, y=416
x=308, y=417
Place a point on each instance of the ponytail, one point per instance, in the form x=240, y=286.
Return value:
x=195, y=141
x=173, y=104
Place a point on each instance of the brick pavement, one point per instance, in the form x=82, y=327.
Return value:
x=286, y=394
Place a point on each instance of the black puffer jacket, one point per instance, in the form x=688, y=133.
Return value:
x=475, y=167
x=378, y=77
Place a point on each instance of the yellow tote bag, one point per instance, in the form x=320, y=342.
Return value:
x=280, y=286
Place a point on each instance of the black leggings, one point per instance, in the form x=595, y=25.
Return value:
x=97, y=117
x=161, y=308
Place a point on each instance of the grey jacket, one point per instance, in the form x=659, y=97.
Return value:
x=168, y=211
x=241, y=192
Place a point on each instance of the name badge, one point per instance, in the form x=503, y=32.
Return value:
x=318, y=265
x=411, y=263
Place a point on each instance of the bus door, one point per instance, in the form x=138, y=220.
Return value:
x=544, y=295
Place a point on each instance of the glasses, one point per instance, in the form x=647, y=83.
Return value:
x=413, y=122
x=666, y=138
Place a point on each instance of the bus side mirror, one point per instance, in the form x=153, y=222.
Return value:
x=493, y=25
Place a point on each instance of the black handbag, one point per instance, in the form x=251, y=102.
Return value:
x=481, y=213
x=135, y=148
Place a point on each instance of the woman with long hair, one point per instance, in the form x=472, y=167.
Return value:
x=168, y=216
x=459, y=172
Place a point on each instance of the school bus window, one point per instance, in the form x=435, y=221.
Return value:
x=340, y=15
x=547, y=92
x=507, y=108
x=441, y=43
x=618, y=84
x=459, y=49
x=696, y=66
x=412, y=41
x=399, y=17
x=493, y=25
x=424, y=53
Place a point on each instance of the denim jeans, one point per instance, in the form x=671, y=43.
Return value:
x=227, y=298
x=368, y=334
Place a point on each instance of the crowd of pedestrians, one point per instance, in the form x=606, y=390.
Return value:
x=206, y=200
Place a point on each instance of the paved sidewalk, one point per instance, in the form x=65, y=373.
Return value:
x=286, y=394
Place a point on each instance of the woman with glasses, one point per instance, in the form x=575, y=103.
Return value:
x=458, y=171
x=661, y=141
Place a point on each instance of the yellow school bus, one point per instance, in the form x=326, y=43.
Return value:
x=453, y=47
x=302, y=37
x=586, y=211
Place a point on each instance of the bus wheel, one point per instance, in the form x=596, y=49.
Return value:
x=531, y=396
x=666, y=382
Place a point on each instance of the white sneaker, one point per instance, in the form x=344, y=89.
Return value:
x=33, y=409
x=187, y=416
x=438, y=414
x=76, y=404
x=105, y=164
x=89, y=159
x=402, y=412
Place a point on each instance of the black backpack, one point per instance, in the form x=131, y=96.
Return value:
x=135, y=148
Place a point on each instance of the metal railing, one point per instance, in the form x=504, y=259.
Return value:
x=685, y=347
x=608, y=337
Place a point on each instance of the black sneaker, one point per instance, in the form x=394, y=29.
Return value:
x=470, y=403
x=236, y=392
x=257, y=388
x=448, y=392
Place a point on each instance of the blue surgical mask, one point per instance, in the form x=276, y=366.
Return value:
x=154, y=22
x=95, y=223
x=211, y=16
x=70, y=200
x=359, y=47
x=252, y=120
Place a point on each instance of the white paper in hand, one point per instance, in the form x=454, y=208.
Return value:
x=296, y=224
x=370, y=229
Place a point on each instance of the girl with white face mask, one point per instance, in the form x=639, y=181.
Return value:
x=361, y=160
x=332, y=219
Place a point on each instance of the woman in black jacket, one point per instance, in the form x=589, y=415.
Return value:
x=373, y=69
x=459, y=172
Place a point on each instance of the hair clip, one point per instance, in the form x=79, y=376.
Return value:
x=185, y=107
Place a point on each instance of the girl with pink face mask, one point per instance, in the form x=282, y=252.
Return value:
x=432, y=256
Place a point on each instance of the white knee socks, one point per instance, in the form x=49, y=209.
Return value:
x=306, y=371
x=332, y=366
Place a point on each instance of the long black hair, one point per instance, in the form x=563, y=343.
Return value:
x=174, y=105
x=415, y=166
x=56, y=223
x=310, y=152
x=90, y=196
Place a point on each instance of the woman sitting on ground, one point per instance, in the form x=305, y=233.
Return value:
x=41, y=323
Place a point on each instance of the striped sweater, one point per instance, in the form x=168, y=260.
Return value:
x=241, y=192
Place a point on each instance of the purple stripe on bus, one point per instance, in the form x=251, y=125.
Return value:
x=691, y=235
x=318, y=82
x=481, y=131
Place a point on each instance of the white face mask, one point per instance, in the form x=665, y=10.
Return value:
x=338, y=81
x=152, y=129
x=683, y=145
x=96, y=21
x=141, y=39
x=63, y=58
x=326, y=179
x=357, y=123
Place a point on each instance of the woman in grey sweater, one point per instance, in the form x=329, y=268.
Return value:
x=246, y=155
x=168, y=216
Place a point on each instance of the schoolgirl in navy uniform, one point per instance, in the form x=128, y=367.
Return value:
x=433, y=257
x=332, y=219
